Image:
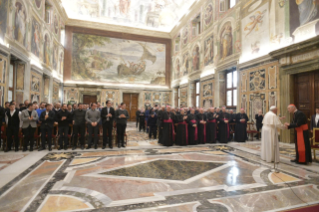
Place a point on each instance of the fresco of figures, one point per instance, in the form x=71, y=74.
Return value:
x=47, y=50
x=55, y=56
x=209, y=51
x=107, y=59
x=186, y=66
x=196, y=58
x=35, y=37
x=154, y=14
x=3, y=17
x=20, y=25
x=226, y=41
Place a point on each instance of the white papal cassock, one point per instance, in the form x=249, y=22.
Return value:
x=269, y=132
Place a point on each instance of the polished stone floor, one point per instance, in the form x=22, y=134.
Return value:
x=148, y=177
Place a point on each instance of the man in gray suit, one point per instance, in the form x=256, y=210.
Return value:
x=29, y=119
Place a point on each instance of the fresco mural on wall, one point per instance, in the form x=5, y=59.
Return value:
x=226, y=41
x=35, y=37
x=209, y=51
x=257, y=80
x=20, y=76
x=38, y=3
x=255, y=33
x=3, y=17
x=302, y=12
x=208, y=14
x=150, y=14
x=35, y=97
x=20, y=26
x=56, y=25
x=61, y=58
x=208, y=90
x=186, y=64
x=35, y=83
x=177, y=69
x=107, y=59
x=55, y=56
x=196, y=58
x=47, y=50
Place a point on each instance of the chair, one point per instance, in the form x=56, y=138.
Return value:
x=315, y=141
x=251, y=130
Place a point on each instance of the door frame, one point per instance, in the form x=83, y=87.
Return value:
x=131, y=93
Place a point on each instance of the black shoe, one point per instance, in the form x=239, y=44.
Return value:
x=25, y=149
x=65, y=148
x=82, y=147
x=119, y=145
x=111, y=147
x=16, y=150
x=95, y=147
x=103, y=147
x=89, y=147
x=123, y=145
x=41, y=148
x=293, y=160
x=59, y=148
x=31, y=149
x=73, y=148
x=50, y=149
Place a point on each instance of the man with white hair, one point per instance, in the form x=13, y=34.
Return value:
x=302, y=143
x=271, y=123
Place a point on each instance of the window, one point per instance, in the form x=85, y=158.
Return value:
x=62, y=37
x=232, y=3
x=47, y=13
x=222, y=5
x=197, y=93
x=11, y=82
x=231, y=89
x=196, y=30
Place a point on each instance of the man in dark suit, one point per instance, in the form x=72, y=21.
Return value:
x=138, y=112
x=107, y=115
x=13, y=125
x=315, y=120
x=2, y=117
x=47, y=119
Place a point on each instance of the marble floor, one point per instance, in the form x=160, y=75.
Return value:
x=147, y=177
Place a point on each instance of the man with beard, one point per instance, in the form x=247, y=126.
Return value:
x=241, y=126
x=182, y=129
x=223, y=126
x=192, y=128
x=201, y=121
x=211, y=126
x=167, y=137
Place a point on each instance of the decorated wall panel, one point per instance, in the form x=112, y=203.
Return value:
x=259, y=88
x=106, y=59
x=3, y=81
x=183, y=96
x=35, y=86
x=207, y=94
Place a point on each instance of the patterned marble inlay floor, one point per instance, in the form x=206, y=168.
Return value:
x=209, y=177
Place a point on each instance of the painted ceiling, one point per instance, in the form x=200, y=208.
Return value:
x=158, y=15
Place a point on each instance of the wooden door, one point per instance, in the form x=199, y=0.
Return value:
x=306, y=92
x=131, y=101
x=88, y=99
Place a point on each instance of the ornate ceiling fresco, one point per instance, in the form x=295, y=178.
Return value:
x=159, y=15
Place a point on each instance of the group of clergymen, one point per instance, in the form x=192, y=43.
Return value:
x=85, y=119
x=190, y=126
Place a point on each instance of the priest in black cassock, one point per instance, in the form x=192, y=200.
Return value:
x=302, y=143
x=201, y=123
x=211, y=126
x=160, y=112
x=181, y=129
x=241, y=126
x=223, y=126
x=142, y=120
x=192, y=128
x=168, y=133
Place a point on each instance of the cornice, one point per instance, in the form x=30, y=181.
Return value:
x=312, y=43
x=60, y=9
x=116, y=28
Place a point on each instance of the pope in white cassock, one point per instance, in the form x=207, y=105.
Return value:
x=271, y=123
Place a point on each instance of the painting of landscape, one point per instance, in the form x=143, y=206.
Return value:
x=105, y=59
